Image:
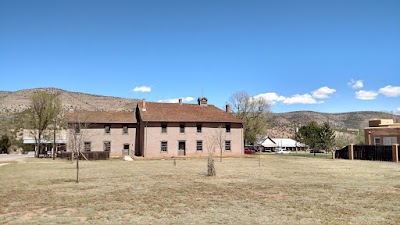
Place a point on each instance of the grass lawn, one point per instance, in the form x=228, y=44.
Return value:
x=284, y=190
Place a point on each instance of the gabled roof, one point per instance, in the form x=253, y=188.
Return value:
x=100, y=117
x=279, y=142
x=177, y=112
x=287, y=142
x=267, y=142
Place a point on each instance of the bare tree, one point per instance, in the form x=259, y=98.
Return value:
x=210, y=145
x=254, y=112
x=44, y=108
x=220, y=137
x=77, y=135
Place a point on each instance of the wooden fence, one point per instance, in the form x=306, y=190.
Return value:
x=342, y=153
x=97, y=155
x=368, y=152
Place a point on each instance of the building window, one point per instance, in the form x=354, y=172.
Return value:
x=164, y=146
x=228, y=128
x=87, y=146
x=389, y=140
x=164, y=128
x=377, y=141
x=199, y=128
x=107, y=146
x=77, y=128
x=227, y=145
x=125, y=129
x=107, y=129
x=182, y=128
x=199, y=145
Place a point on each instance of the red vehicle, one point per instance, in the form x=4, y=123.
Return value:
x=249, y=150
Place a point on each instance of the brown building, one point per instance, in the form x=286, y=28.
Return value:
x=101, y=131
x=382, y=132
x=160, y=130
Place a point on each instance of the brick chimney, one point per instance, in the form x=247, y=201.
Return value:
x=180, y=101
x=228, y=108
x=143, y=105
x=202, y=101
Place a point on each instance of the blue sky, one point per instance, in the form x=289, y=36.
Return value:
x=326, y=56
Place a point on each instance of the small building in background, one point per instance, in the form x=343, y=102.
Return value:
x=47, y=140
x=273, y=144
x=382, y=132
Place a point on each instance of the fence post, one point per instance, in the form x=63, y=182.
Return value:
x=351, y=152
x=395, y=152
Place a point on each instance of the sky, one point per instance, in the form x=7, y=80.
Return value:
x=326, y=56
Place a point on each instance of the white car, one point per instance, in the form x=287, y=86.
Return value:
x=282, y=151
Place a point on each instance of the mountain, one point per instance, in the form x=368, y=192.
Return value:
x=18, y=101
x=280, y=124
x=284, y=124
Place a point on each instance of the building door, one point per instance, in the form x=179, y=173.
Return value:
x=126, y=149
x=182, y=148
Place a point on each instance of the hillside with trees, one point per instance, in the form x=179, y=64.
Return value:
x=280, y=125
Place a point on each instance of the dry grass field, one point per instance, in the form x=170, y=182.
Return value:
x=284, y=190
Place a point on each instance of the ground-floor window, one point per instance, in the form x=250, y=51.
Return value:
x=377, y=141
x=389, y=140
x=227, y=145
x=88, y=146
x=164, y=146
x=107, y=146
x=199, y=145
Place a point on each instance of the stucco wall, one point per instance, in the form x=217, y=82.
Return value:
x=153, y=138
x=381, y=132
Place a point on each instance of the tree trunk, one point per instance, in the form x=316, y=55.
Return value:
x=77, y=168
x=211, y=167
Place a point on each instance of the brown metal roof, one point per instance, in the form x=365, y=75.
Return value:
x=100, y=117
x=176, y=112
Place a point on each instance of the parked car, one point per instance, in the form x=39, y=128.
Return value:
x=248, y=150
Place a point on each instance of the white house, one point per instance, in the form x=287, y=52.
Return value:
x=280, y=143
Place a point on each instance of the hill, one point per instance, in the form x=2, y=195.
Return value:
x=18, y=101
x=280, y=124
x=284, y=124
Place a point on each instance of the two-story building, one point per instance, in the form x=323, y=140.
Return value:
x=159, y=130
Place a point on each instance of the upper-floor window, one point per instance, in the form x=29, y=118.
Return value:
x=228, y=128
x=107, y=129
x=182, y=129
x=77, y=128
x=125, y=129
x=164, y=128
x=227, y=145
x=199, y=128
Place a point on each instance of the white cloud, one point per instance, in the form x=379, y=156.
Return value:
x=271, y=97
x=356, y=84
x=176, y=100
x=366, y=95
x=142, y=89
x=323, y=92
x=301, y=99
x=390, y=91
